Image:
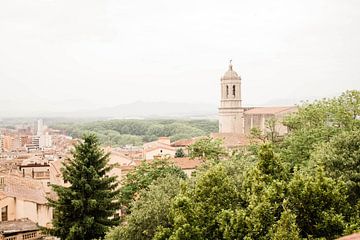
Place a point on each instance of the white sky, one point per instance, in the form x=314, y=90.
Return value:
x=70, y=54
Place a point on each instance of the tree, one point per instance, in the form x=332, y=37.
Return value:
x=286, y=227
x=179, y=153
x=262, y=191
x=84, y=210
x=195, y=210
x=341, y=161
x=268, y=135
x=150, y=212
x=142, y=176
x=319, y=203
x=207, y=149
x=318, y=122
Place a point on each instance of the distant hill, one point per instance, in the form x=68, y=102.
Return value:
x=132, y=110
x=152, y=109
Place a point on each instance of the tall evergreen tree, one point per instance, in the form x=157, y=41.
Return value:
x=84, y=210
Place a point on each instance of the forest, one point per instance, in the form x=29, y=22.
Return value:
x=303, y=186
x=136, y=132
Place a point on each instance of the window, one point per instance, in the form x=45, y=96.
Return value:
x=227, y=90
x=234, y=90
x=4, y=213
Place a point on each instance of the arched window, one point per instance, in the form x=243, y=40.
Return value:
x=234, y=90
x=227, y=90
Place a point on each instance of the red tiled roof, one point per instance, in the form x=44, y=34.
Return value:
x=184, y=142
x=186, y=163
x=160, y=147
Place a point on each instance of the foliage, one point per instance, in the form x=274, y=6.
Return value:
x=195, y=210
x=340, y=158
x=142, y=176
x=150, y=212
x=318, y=122
x=285, y=227
x=207, y=149
x=136, y=132
x=270, y=133
x=319, y=203
x=83, y=210
x=179, y=153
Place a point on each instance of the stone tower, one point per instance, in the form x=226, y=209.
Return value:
x=231, y=114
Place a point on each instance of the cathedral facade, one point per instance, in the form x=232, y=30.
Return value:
x=236, y=120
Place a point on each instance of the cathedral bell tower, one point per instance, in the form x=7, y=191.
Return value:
x=231, y=114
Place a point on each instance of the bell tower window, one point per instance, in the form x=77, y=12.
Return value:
x=234, y=90
x=227, y=91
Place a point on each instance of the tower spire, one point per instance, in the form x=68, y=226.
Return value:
x=230, y=65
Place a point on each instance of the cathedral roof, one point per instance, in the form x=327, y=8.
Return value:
x=230, y=74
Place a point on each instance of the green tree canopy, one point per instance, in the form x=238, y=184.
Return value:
x=150, y=212
x=142, y=176
x=207, y=149
x=84, y=210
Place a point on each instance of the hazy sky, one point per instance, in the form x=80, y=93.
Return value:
x=69, y=54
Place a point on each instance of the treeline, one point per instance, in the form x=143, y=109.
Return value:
x=306, y=185
x=136, y=132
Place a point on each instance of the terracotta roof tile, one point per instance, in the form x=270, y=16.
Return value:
x=186, y=163
x=157, y=147
x=184, y=142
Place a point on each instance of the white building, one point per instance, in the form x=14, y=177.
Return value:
x=158, y=149
x=45, y=141
x=40, y=127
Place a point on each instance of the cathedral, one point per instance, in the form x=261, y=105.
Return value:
x=236, y=121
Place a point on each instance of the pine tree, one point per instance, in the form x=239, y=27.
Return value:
x=85, y=209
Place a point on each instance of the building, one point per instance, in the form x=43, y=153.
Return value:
x=40, y=127
x=158, y=149
x=258, y=117
x=11, y=143
x=231, y=113
x=184, y=144
x=37, y=170
x=23, y=198
x=45, y=141
x=234, y=119
x=19, y=230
